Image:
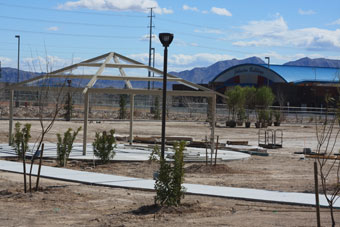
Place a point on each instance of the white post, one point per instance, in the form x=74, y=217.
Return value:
x=132, y=110
x=213, y=121
x=10, y=117
x=86, y=117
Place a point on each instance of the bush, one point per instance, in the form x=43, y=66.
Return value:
x=122, y=107
x=155, y=154
x=103, y=146
x=65, y=145
x=21, y=138
x=169, y=183
x=264, y=97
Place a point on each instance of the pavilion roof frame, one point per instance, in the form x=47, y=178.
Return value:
x=117, y=58
x=93, y=62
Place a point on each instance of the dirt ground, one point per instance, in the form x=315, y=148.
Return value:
x=60, y=203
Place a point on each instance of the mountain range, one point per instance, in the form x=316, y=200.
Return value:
x=195, y=75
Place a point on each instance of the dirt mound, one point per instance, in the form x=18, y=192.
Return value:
x=185, y=208
x=208, y=169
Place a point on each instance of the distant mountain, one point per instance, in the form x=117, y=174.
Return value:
x=206, y=74
x=10, y=75
x=317, y=62
x=196, y=75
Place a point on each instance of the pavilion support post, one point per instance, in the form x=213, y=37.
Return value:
x=132, y=110
x=10, y=133
x=213, y=122
x=86, y=118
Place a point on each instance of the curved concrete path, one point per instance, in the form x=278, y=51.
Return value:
x=148, y=184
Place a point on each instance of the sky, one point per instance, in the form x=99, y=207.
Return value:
x=56, y=33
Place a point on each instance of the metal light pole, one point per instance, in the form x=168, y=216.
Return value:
x=153, y=66
x=18, y=76
x=166, y=39
x=268, y=58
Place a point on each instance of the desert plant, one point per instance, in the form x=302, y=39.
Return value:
x=104, y=145
x=21, y=138
x=264, y=97
x=68, y=107
x=155, y=154
x=169, y=183
x=156, y=109
x=122, y=106
x=235, y=100
x=65, y=145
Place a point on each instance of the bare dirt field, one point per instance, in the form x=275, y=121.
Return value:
x=60, y=203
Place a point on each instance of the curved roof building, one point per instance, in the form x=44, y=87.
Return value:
x=259, y=75
x=248, y=75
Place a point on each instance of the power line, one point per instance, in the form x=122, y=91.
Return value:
x=69, y=22
x=70, y=34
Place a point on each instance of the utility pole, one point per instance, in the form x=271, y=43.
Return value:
x=150, y=44
x=18, y=76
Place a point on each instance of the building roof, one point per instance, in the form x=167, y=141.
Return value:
x=302, y=73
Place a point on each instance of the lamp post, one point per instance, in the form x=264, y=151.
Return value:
x=268, y=58
x=166, y=39
x=18, y=76
x=153, y=65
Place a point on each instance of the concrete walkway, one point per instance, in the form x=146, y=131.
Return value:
x=148, y=184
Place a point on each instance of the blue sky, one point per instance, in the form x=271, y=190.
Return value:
x=204, y=31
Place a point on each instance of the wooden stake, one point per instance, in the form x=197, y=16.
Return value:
x=206, y=150
x=216, y=150
x=24, y=166
x=317, y=194
x=39, y=169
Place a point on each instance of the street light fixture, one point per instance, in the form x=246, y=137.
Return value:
x=166, y=39
x=268, y=58
x=18, y=76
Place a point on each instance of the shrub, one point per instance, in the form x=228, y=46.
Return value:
x=264, y=97
x=21, y=138
x=103, y=145
x=155, y=154
x=122, y=107
x=156, y=109
x=65, y=145
x=169, y=183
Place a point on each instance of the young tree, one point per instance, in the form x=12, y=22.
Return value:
x=168, y=186
x=328, y=166
x=122, y=106
x=235, y=100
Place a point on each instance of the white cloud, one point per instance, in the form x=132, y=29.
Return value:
x=186, y=7
x=146, y=37
x=209, y=31
x=49, y=63
x=53, y=28
x=180, y=62
x=276, y=33
x=336, y=22
x=5, y=62
x=306, y=12
x=116, y=5
x=221, y=11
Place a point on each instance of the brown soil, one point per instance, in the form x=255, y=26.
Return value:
x=68, y=204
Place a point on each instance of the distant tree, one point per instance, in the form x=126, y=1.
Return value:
x=122, y=106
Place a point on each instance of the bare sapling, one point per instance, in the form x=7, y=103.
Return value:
x=328, y=164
